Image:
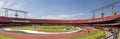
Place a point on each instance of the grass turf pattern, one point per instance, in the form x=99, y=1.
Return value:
x=46, y=28
x=6, y=37
x=98, y=34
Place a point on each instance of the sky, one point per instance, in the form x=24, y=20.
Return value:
x=56, y=9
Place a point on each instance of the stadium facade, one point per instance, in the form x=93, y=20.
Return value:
x=113, y=20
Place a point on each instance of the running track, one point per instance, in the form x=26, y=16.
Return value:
x=58, y=36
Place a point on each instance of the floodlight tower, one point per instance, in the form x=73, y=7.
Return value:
x=16, y=12
x=109, y=5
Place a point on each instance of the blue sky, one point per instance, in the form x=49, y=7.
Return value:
x=56, y=9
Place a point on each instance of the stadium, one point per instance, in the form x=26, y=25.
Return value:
x=105, y=27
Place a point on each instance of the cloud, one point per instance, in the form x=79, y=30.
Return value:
x=1, y=3
x=64, y=16
x=11, y=4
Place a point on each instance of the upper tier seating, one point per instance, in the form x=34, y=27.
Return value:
x=107, y=18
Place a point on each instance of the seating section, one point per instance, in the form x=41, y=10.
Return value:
x=10, y=19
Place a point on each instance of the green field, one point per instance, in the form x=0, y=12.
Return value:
x=46, y=28
x=96, y=35
x=6, y=37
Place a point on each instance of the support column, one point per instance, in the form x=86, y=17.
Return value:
x=6, y=13
x=25, y=15
x=16, y=15
x=113, y=10
x=102, y=14
x=93, y=14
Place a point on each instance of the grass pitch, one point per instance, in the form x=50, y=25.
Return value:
x=98, y=34
x=6, y=37
x=47, y=28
